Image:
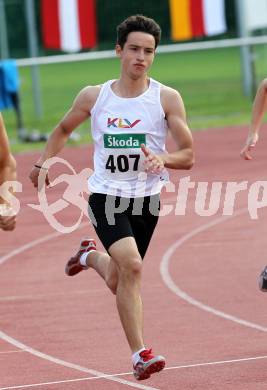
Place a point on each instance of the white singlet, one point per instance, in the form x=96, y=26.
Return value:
x=119, y=127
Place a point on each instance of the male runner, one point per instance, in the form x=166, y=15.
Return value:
x=130, y=118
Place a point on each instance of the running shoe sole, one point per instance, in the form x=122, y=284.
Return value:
x=154, y=366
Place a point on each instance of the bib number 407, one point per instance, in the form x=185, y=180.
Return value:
x=123, y=163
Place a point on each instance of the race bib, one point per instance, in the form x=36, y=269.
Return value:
x=123, y=156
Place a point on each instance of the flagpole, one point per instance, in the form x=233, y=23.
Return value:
x=33, y=51
x=4, y=52
x=245, y=51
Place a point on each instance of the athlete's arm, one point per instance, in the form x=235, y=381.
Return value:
x=7, y=161
x=258, y=110
x=183, y=157
x=77, y=114
x=7, y=173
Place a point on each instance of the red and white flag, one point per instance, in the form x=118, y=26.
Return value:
x=68, y=25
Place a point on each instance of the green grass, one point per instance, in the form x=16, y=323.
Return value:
x=209, y=82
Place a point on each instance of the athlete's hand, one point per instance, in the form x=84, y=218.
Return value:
x=153, y=162
x=249, y=146
x=7, y=223
x=7, y=218
x=34, y=175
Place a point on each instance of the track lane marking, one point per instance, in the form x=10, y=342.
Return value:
x=220, y=362
x=15, y=351
x=164, y=270
x=44, y=356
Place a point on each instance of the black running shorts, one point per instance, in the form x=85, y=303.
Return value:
x=114, y=217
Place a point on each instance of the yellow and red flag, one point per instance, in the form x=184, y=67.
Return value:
x=196, y=18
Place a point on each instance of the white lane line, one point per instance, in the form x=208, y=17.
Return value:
x=41, y=355
x=164, y=270
x=220, y=362
x=242, y=360
x=32, y=244
x=36, y=297
x=16, y=351
x=64, y=363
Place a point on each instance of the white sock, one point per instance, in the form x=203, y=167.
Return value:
x=136, y=357
x=83, y=258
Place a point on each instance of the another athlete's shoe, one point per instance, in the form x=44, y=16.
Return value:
x=147, y=364
x=263, y=280
x=74, y=266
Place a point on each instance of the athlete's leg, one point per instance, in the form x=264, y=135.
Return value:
x=88, y=257
x=143, y=228
x=126, y=242
x=108, y=234
x=118, y=239
x=125, y=254
x=104, y=265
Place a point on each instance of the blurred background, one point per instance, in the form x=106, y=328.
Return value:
x=214, y=52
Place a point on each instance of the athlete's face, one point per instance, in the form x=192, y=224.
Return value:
x=137, y=54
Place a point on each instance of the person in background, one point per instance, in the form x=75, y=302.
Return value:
x=259, y=108
x=7, y=173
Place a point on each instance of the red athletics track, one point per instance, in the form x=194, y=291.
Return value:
x=203, y=310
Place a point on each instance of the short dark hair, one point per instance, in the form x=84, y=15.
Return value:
x=138, y=23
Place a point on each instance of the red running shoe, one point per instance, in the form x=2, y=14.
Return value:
x=74, y=266
x=148, y=364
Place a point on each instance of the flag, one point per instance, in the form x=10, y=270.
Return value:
x=68, y=25
x=196, y=18
x=255, y=14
